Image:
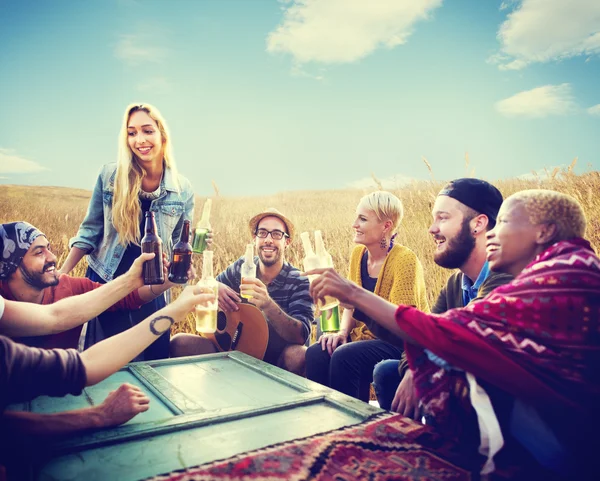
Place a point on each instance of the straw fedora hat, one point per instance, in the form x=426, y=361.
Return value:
x=271, y=212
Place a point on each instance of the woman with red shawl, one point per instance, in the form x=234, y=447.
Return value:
x=521, y=366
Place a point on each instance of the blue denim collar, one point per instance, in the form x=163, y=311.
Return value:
x=168, y=181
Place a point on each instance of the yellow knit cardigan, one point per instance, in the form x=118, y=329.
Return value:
x=400, y=281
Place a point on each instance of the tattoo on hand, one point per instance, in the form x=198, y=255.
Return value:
x=154, y=321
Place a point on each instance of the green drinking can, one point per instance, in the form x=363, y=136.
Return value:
x=330, y=319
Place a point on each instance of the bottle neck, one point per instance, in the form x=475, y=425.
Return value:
x=207, y=265
x=205, y=219
x=207, y=272
x=150, y=227
x=185, y=232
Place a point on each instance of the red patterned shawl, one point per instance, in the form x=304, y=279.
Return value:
x=536, y=338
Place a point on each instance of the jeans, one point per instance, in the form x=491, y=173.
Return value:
x=386, y=379
x=350, y=368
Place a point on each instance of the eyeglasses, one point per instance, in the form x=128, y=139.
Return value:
x=275, y=234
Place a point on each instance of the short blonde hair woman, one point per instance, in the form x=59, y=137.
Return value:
x=145, y=178
x=345, y=360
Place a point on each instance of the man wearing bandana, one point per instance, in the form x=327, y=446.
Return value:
x=28, y=274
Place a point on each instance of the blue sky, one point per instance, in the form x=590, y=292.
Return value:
x=265, y=96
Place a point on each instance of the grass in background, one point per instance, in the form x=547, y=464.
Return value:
x=59, y=211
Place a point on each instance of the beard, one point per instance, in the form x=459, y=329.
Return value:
x=458, y=249
x=36, y=279
x=271, y=261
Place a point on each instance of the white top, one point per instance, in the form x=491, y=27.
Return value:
x=1, y=306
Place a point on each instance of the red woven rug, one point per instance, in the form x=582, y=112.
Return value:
x=389, y=447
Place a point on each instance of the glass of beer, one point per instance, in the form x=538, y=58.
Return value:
x=206, y=319
x=206, y=315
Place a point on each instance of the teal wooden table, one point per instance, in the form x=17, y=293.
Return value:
x=202, y=409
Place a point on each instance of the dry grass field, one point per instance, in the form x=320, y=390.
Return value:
x=59, y=211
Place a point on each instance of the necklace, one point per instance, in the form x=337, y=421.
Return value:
x=151, y=195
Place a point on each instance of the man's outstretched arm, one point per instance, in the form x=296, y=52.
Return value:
x=118, y=408
x=25, y=319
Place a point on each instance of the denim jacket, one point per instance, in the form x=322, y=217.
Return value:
x=98, y=237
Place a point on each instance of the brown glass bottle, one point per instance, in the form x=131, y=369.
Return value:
x=153, y=269
x=182, y=256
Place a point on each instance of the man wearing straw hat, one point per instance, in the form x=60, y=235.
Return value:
x=278, y=291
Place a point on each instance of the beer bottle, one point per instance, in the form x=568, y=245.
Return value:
x=248, y=267
x=310, y=261
x=206, y=315
x=153, y=269
x=182, y=256
x=325, y=260
x=202, y=229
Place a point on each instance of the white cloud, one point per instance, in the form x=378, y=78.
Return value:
x=595, y=110
x=547, y=30
x=136, y=49
x=155, y=85
x=341, y=31
x=298, y=71
x=10, y=163
x=507, y=4
x=390, y=183
x=539, y=102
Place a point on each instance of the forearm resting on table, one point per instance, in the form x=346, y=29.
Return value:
x=286, y=326
x=36, y=424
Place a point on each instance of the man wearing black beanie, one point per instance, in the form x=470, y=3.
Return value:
x=464, y=210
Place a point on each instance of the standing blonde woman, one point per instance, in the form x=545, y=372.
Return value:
x=345, y=360
x=144, y=178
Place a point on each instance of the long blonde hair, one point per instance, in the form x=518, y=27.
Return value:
x=126, y=209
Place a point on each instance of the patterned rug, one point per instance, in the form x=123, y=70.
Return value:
x=385, y=448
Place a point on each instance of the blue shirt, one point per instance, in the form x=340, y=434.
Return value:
x=470, y=288
x=289, y=290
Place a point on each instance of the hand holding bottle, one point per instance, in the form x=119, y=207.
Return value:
x=256, y=292
x=228, y=298
x=135, y=272
x=203, y=231
x=181, y=260
x=248, y=270
x=151, y=243
x=329, y=283
x=193, y=298
x=328, y=305
x=206, y=314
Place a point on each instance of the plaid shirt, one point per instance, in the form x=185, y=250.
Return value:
x=289, y=290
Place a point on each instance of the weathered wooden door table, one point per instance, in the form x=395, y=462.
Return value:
x=202, y=409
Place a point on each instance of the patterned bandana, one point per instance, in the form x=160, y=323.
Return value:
x=15, y=240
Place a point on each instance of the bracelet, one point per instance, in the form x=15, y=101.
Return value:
x=153, y=293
